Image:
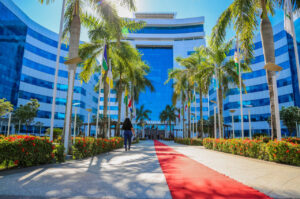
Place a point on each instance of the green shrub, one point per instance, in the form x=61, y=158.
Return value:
x=189, y=141
x=57, y=132
x=59, y=153
x=276, y=151
x=87, y=147
x=25, y=151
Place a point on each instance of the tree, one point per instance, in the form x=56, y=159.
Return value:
x=290, y=116
x=74, y=16
x=125, y=58
x=226, y=73
x=26, y=113
x=168, y=115
x=141, y=116
x=244, y=16
x=56, y=132
x=5, y=107
x=79, y=123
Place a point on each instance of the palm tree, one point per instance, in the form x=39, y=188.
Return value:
x=197, y=61
x=244, y=15
x=181, y=85
x=141, y=116
x=73, y=15
x=225, y=71
x=168, y=115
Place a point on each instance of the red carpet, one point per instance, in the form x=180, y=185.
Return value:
x=188, y=178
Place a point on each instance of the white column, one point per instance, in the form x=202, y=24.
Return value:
x=56, y=71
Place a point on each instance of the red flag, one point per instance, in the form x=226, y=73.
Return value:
x=129, y=104
x=185, y=106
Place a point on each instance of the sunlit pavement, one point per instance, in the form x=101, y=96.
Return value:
x=137, y=174
x=118, y=174
x=275, y=180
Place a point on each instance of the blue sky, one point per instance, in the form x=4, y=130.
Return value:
x=49, y=15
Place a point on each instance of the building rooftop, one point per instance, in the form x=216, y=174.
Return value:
x=155, y=15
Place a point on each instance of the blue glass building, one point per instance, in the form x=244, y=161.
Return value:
x=27, y=67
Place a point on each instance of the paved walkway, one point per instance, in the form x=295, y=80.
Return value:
x=137, y=174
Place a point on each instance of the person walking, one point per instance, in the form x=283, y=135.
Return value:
x=128, y=131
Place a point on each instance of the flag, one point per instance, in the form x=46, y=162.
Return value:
x=104, y=59
x=288, y=17
x=129, y=104
x=126, y=97
x=185, y=106
x=236, y=57
x=109, y=79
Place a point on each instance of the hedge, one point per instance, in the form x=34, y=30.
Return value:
x=25, y=151
x=87, y=147
x=275, y=151
x=189, y=141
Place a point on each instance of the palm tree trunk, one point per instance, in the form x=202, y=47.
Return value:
x=119, y=106
x=221, y=111
x=183, y=122
x=266, y=32
x=189, y=119
x=201, y=112
x=73, y=52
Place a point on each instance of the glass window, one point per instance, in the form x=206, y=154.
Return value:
x=170, y=30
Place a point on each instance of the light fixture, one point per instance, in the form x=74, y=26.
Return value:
x=74, y=60
x=232, y=111
x=272, y=67
x=213, y=101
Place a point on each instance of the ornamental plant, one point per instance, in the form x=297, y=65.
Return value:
x=189, y=141
x=25, y=151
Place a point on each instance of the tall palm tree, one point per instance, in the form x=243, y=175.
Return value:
x=244, y=16
x=142, y=115
x=181, y=91
x=168, y=115
x=73, y=15
x=197, y=61
x=124, y=57
x=225, y=71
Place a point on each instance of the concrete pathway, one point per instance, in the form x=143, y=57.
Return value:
x=275, y=180
x=118, y=174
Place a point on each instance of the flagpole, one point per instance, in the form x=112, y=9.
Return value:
x=108, y=133
x=240, y=85
x=99, y=97
x=56, y=71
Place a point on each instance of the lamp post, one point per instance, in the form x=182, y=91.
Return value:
x=232, y=112
x=249, y=118
x=75, y=118
x=215, y=118
x=275, y=68
x=88, y=130
x=8, y=127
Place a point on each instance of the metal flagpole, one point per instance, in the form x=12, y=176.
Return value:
x=74, y=134
x=109, y=102
x=98, y=107
x=215, y=121
x=8, y=127
x=240, y=85
x=56, y=71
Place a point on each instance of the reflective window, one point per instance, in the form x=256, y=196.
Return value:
x=46, y=84
x=46, y=40
x=160, y=61
x=58, y=116
x=170, y=30
x=13, y=36
x=47, y=99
